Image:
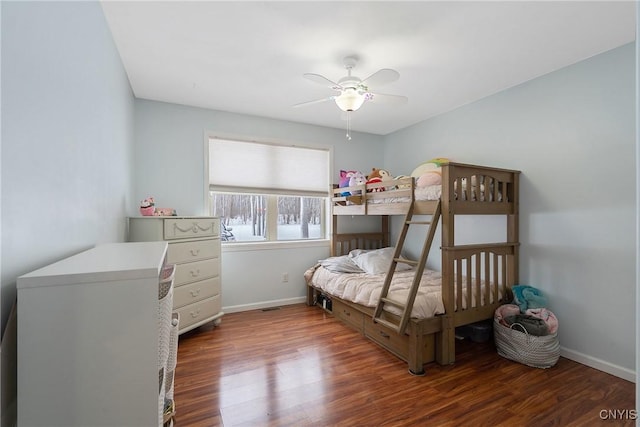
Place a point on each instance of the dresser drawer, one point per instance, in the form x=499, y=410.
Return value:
x=180, y=252
x=199, y=311
x=388, y=338
x=188, y=228
x=348, y=315
x=194, y=271
x=194, y=292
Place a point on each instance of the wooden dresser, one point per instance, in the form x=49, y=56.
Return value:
x=194, y=247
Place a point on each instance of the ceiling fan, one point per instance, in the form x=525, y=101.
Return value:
x=354, y=92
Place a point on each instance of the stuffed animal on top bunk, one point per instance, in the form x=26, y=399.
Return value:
x=344, y=181
x=429, y=172
x=378, y=175
x=402, y=186
x=349, y=179
x=357, y=178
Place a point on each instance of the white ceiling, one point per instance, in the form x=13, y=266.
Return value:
x=249, y=57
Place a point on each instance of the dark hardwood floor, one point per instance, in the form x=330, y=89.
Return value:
x=297, y=366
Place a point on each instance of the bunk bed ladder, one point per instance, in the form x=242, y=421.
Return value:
x=419, y=265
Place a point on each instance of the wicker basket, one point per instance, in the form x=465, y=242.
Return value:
x=516, y=344
x=172, y=360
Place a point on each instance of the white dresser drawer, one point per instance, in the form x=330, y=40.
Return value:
x=200, y=311
x=194, y=249
x=188, y=228
x=194, y=271
x=180, y=252
x=194, y=292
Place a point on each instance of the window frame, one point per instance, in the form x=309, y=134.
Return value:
x=271, y=198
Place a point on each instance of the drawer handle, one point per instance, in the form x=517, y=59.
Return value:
x=195, y=314
x=384, y=335
x=194, y=228
x=195, y=252
x=195, y=293
x=195, y=273
x=346, y=312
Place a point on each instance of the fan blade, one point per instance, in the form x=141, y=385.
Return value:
x=381, y=77
x=381, y=98
x=322, y=80
x=317, y=101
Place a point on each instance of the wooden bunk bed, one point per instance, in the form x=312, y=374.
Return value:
x=466, y=269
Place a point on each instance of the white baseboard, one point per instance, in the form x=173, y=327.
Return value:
x=263, y=304
x=601, y=365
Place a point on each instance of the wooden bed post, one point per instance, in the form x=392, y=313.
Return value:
x=446, y=197
x=445, y=342
x=311, y=295
x=416, y=349
x=513, y=229
x=446, y=338
x=386, y=231
x=334, y=232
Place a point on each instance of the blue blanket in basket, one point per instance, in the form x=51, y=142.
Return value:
x=526, y=297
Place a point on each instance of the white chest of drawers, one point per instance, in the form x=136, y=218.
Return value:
x=89, y=339
x=194, y=247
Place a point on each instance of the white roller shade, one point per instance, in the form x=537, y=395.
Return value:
x=239, y=166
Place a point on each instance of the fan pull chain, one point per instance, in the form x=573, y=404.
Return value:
x=348, y=125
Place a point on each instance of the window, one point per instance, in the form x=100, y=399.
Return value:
x=267, y=192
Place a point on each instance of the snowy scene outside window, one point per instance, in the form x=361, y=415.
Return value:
x=256, y=217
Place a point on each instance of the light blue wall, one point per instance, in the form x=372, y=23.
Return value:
x=67, y=135
x=572, y=134
x=169, y=162
x=67, y=138
x=170, y=143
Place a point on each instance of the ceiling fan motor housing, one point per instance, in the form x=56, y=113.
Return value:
x=352, y=82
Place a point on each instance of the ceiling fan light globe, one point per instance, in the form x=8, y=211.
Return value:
x=350, y=100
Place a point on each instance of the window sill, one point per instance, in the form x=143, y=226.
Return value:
x=261, y=246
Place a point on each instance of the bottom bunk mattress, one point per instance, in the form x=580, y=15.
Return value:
x=364, y=289
x=359, y=278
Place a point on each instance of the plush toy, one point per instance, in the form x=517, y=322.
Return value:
x=165, y=212
x=344, y=180
x=385, y=175
x=374, y=180
x=403, y=186
x=429, y=172
x=378, y=175
x=147, y=207
x=356, y=178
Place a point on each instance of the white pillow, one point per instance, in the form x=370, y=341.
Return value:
x=377, y=261
x=340, y=264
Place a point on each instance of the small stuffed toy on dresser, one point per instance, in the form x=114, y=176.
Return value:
x=147, y=207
